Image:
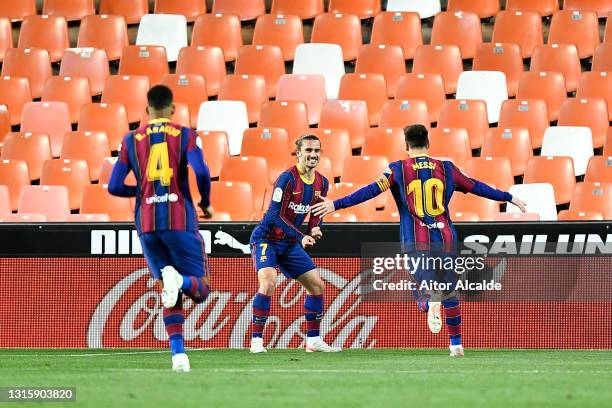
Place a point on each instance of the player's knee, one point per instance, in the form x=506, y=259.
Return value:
x=267, y=286
x=316, y=287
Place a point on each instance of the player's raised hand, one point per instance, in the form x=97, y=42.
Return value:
x=308, y=241
x=323, y=207
x=208, y=211
x=519, y=203
x=316, y=233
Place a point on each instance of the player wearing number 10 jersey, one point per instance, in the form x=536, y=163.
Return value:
x=422, y=188
x=166, y=219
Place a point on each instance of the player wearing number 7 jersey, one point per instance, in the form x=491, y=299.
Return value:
x=422, y=188
x=166, y=219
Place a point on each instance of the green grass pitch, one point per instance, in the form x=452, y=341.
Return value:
x=293, y=378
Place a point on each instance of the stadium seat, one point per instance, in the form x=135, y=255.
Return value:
x=5, y=202
x=457, y=28
x=52, y=118
x=467, y=114
x=370, y=88
x=386, y=142
x=263, y=60
x=544, y=7
x=539, y=198
x=132, y=11
x=46, y=32
x=512, y=143
x=363, y=212
x=450, y=143
x=593, y=196
x=166, y=30
x=146, y=60
x=523, y=28
x=73, y=174
x=526, y=113
x=26, y=218
x=424, y=8
x=129, y=90
x=341, y=216
x=401, y=113
x=90, y=64
x=504, y=57
x=188, y=89
x=548, y=86
x=466, y=217
x=487, y=86
x=608, y=30
x=388, y=214
x=558, y=58
x=444, y=60
x=513, y=217
x=495, y=171
x=218, y=30
x=607, y=150
x=573, y=141
x=387, y=60
x=97, y=200
x=270, y=143
x=592, y=113
x=220, y=216
x=91, y=146
x=574, y=215
x=106, y=32
x=14, y=175
x=361, y=8
x=52, y=201
x=5, y=123
x=426, y=87
x=87, y=218
x=349, y=115
x=32, y=148
x=363, y=169
x=31, y=63
x=208, y=62
x=400, y=29
x=253, y=170
x=215, y=150
x=341, y=29
x=321, y=59
x=325, y=167
x=309, y=89
x=580, y=28
x=558, y=171
x=110, y=118
x=106, y=169
x=288, y=115
x=305, y=9
x=74, y=91
x=234, y=198
x=595, y=85
x=470, y=203
x=601, y=7
x=599, y=169
x=6, y=36
x=71, y=10
x=228, y=116
x=284, y=31
x=14, y=94
x=17, y=10
x=181, y=116
x=245, y=9
x=250, y=89
x=344, y=189
x=602, y=58
x=484, y=8
x=188, y=8
x=336, y=145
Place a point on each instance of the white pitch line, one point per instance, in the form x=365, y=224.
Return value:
x=118, y=353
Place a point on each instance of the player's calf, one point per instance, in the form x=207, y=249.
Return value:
x=196, y=288
x=452, y=312
x=261, y=311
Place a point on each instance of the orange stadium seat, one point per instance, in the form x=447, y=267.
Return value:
x=544, y=7
x=602, y=58
x=349, y=115
x=484, y=8
x=245, y=9
x=548, y=86
x=215, y=149
x=251, y=89
x=592, y=113
x=491, y=170
x=207, y=62
x=523, y=28
x=47, y=32
x=464, y=217
x=74, y=91
x=387, y=142
x=387, y=60
x=309, y=89
x=270, y=143
x=284, y=31
x=485, y=209
x=341, y=29
x=444, y=60
x=362, y=8
x=341, y=216
x=467, y=114
x=253, y=170
x=336, y=145
x=106, y=32
x=218, y=30
x=106, y=169
x=131, y=11
x=370, y=88
x=457, y=28
x=558, y=171
x=264, y=60
x=188, y=89
x=52, y=201
x=512, y=143
x=71, y=10
x=289, y=115
x=607, y=150
x=17, y=10
x=512, y=217
x=31, y=63
x=580, y=28
x=599, y=169
x=5, y=123
x=401, y=113
x=526, y=113
x=397, y=28
x=305, y=9
x=52, y=118
x=14, y=175
x=27, y=218
x=147, y=60
x=504, y=57
x=558, y=58
x=91, y=146
x=5, y=202
x=188, y=8
x=90, y=64
x=594, y=85
x=110, y=118
x=129, y=90
x=601, y=7
x=573, y=215
x=325, y=167
x=32, y=148
x=344, y=189
x=14, y=94
x=608, y=31
x=388, y=214
x=450, y=143
x=97, y=200
x=363, y=169
x=6, y=36
x=73, y=174
x=426, y=87
x=593, y=196
x=87, y=218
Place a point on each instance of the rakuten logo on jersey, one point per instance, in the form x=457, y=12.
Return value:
x=162, y=198
x=299, y=208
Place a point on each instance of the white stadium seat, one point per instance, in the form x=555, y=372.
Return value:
x=167, y=30
x=228, y=116
x=489, y=86
x=424, y=8
x=573, y=141
x=321, y=59
x=539, y=197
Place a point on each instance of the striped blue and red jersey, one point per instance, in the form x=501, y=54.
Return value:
x=292, y=197
x=158, y=154
x=422, y=188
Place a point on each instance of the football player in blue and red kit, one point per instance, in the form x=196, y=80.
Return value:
x=422, y=188
x=278, y=242
x=165, y=216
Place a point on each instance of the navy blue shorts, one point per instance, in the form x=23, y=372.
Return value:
x=289, y=257
x=184, y=250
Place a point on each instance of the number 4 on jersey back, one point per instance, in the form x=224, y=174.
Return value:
x=158, y=167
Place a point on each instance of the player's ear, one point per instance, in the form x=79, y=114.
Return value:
x=173, y=109
x=147, y=110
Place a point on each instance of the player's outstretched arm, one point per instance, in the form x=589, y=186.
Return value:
x=202, y=174
x=116, y=184
x=363, y=194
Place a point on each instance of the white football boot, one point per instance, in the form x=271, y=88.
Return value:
x=315, y=344
x=257, y=345
x=180, y=363
x=456, y=351
x=434, y=321
x=172, y=284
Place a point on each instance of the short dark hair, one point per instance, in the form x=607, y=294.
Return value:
x=416, y=136
x=303, y=138
x=159, y=97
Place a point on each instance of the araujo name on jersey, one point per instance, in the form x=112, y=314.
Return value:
x=299, y=208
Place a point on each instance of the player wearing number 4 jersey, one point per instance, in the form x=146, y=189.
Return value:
x=166, y=219
x=422, y=188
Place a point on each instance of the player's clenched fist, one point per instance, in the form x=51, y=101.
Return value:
x=308, y=241
x=316, y=233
